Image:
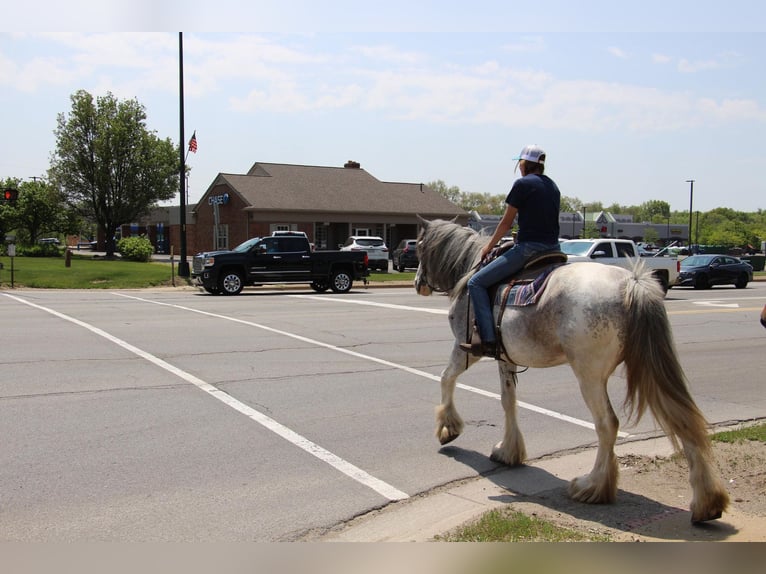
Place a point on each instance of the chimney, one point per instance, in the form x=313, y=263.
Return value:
x=350, y=164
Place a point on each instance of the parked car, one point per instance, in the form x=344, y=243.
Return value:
x=704, y=271
x=377, y=252
x=406, y=254
x=49, y=240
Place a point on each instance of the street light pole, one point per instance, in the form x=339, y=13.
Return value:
x=691, y=203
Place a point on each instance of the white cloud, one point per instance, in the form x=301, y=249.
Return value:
x=660, y=59
x=617, y=52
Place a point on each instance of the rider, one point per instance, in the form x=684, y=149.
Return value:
x=536, y=199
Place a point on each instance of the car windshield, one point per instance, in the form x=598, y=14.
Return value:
x=370, y=242
x=575, y=247
x=246, y=245
x=696, y=261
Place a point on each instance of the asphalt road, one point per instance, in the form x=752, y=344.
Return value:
x=175, y=415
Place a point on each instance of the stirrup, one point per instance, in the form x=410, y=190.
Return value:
x=480, y=349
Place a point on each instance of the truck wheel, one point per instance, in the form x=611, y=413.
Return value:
x=231, y=283
x=320, y=286
x=341, y=282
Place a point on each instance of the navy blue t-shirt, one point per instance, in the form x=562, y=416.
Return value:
x=538, y=200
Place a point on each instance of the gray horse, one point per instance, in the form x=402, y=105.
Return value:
x=592, y=318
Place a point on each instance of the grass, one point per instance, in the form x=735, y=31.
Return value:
x=88, y=272
x=407, y=276
x=507, y=525
x=84, y=273
x=756, y=433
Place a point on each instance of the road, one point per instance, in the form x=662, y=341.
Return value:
x=172, y=415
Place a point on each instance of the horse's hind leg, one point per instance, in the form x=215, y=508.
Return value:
x=449, y=424
x=709, y=498
x=600, y=486
x=511, y=449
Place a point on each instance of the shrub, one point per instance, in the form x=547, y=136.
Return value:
x=39, y=250
x=135, y=248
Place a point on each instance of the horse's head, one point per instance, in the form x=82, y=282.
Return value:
x=421, y=278
x=446, y=252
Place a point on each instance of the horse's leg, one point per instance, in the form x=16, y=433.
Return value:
x=511, y=449
x=600, y=486
x=709, y=498
x=449, y=425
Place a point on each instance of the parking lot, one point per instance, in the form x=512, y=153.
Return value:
x=175, y=415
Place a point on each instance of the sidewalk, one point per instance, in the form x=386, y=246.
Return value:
x=539, y=489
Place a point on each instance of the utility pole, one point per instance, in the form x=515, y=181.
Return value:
x=691, y=203
x=183, y=265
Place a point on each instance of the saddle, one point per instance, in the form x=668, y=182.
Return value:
x=523, y=288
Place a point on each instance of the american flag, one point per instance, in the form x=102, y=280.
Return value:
x=193, y=142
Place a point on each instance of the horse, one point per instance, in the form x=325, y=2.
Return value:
x=594, y=318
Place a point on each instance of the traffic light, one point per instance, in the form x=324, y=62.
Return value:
x=10, y=195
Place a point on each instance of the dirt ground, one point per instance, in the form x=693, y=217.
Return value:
x=654, y=496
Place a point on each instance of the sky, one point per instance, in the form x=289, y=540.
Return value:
x=630, y=101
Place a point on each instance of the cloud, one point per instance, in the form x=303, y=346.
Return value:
x=661, y=58
x=254, y=74
x=617, y=52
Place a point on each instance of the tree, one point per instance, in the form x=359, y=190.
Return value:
x=42, y=211
x=654, y=207
x=108, y=165
x=451, y=193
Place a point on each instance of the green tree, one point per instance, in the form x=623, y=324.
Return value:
x=452, y=193
x=654, y=208
x=108, y=164
x=41, y=211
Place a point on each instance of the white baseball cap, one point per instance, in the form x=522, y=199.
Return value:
x=532, y=153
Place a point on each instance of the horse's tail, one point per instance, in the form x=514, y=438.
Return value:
x=654, y=374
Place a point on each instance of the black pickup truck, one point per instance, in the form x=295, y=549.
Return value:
x=283, y=257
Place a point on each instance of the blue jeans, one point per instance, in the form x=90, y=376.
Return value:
x=507, y=264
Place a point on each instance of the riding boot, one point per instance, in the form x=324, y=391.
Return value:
x=488, y=349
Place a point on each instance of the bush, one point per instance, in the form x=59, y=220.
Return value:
x=39, y=250
x=135, y=248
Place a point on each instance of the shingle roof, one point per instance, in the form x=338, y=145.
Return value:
x=285, y=187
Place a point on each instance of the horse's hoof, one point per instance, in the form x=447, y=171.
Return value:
x=713, y=516
x=446, y=437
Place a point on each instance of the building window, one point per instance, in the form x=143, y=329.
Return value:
x=361, y=231
x=283, y=227
x=221, y=236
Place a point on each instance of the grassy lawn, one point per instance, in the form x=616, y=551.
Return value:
x=87, y=272
x=84, y=273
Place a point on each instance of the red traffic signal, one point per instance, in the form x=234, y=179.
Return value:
x=10, y=195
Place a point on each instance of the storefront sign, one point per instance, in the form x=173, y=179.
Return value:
x=222, y=199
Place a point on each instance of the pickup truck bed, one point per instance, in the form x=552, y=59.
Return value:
x=621, y=252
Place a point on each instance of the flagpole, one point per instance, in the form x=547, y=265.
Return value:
x=183, y=265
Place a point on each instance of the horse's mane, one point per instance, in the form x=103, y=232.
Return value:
x=449, y=253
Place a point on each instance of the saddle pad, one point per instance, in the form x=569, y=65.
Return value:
x=522, y=293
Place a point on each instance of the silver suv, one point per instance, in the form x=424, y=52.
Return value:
x=377, y=252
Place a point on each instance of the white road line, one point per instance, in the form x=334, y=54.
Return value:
x=372, y=304
x=291, y=436
x=405, y=368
